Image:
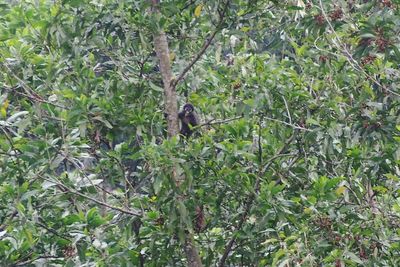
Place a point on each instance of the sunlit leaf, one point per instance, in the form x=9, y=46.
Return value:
x=197, y=10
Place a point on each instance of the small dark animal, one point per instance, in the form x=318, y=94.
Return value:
x=188, y=118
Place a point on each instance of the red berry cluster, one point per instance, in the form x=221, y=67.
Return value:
x=323, y=59
x=387, y=3
x=336, y=14
x=382, y=43
x=368, y=60
x=365, y=41
x=69, y=252
x=319, y=19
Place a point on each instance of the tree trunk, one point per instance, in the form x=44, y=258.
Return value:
x=171, y=109
x=170, y=100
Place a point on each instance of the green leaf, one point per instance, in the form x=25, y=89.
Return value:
x=155, y=87
x=93, y=218
x=157, y=185
x=353, y=257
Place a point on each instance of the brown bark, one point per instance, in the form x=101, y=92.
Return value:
x=170, y=100
x=171, y=109
x=192, y=255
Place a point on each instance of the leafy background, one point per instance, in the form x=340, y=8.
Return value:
x=297, y=161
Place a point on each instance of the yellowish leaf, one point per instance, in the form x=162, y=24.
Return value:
x=197, y=11
x=340, y=190
x=6, y=103
x=245, y=29
x=172, y=56
x=54, y=10
x=307, y=210
x=3, y=108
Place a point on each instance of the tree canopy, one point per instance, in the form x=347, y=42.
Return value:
x=295, y=161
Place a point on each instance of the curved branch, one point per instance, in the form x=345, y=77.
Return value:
x=214, y=121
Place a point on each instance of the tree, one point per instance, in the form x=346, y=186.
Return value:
x=295, y=161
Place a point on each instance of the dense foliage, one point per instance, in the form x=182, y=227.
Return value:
x=296, y=162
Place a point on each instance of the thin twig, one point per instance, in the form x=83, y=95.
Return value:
x=122, y=170
x=54, y=232
x=287, y=109
x=214, y=121
x=82, y=171
x=189, y=3
x=289, y=124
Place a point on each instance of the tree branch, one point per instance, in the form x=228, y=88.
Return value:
x=296, y=127
x=206, y=44
x=54, y=232
x=72, y=191
x=170, y=98
x=214, y=121
x=343, y=49
x=250, y=200
x=27, y=262
x=30, y=93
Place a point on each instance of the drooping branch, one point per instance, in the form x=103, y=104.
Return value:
x=28, y=262
x=101, y=203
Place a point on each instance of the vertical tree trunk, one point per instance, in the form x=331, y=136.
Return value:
x=170, y=100
x=171, y=108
